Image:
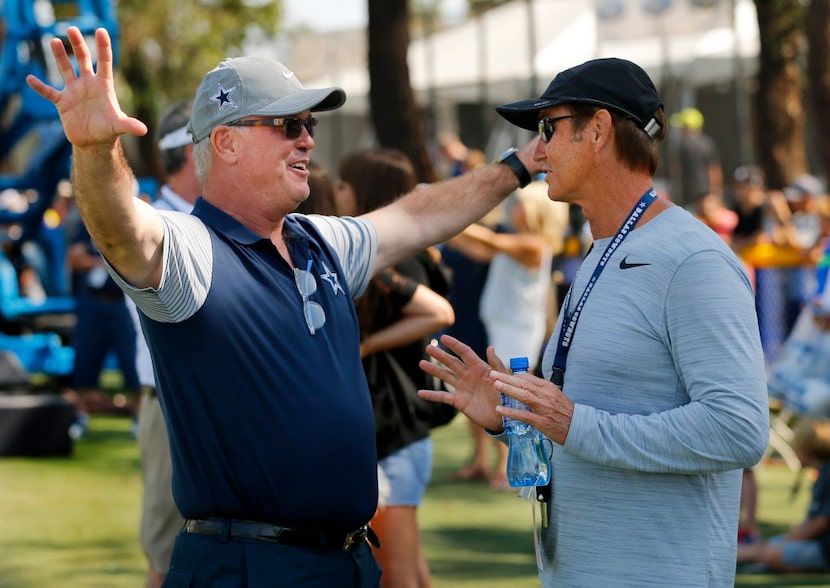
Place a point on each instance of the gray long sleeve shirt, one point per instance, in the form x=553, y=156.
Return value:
x=667, y=373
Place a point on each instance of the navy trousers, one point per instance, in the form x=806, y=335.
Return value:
x=235, y=562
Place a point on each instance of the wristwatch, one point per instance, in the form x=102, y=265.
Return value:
x=511, y=159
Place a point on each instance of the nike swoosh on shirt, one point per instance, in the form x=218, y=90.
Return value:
x=625, y=265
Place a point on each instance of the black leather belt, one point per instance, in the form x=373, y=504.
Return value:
x=312, y=538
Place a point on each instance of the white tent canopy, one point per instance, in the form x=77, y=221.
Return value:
x=497, y=56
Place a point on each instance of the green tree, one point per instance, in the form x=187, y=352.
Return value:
x=165, y=51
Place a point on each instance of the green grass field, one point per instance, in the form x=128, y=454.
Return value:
x=74, y=521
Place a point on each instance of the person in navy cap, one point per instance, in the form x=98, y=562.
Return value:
x=654, y=395
x=248, y=313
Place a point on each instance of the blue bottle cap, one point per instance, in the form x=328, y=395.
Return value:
x=519, y=363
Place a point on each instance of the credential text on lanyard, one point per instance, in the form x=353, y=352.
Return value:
x=566, y=332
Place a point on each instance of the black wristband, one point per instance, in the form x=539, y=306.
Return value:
x=511, y=159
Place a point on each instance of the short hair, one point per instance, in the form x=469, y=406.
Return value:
x=637, y=149
x=203, y=156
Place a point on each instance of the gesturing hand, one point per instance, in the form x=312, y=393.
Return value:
x=88, y=105
x=469, y=377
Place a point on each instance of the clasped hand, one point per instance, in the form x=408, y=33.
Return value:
x=477, y=385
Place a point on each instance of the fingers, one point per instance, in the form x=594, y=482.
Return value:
x=48, y=92
x=81, y=52
x=83, y=59
x=495, y=361
x=438, y=371
x=437, y=396
x=464, y=352
x=524, y=388
x=62, y=59
x=104, y=47
x=442, y=356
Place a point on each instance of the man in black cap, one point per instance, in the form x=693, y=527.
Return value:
x=248, y=313
x=654, y=394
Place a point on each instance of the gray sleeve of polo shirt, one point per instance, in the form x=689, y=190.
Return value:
x=356, y=243
x=187, y=269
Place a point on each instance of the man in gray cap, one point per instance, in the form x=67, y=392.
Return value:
x=247, y=310
x=654, y=394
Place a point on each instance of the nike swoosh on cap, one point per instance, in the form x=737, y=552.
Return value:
x=288, y=74
x=625, y=265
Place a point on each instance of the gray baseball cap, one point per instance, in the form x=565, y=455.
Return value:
x=253, y=86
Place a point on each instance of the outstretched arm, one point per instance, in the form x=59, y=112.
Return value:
x=434, y=213
x=127, y=231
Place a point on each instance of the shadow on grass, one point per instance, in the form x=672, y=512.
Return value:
x=458, y=553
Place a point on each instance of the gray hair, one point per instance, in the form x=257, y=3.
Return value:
x=203, y=155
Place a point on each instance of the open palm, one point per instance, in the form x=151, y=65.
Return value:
x=87, y=105
x=469, y=377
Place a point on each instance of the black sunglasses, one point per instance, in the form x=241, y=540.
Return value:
x=291, y=126
x=547, y=126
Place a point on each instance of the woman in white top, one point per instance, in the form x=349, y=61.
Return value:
x=517, y=304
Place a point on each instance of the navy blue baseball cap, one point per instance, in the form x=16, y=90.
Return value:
x=612, y=83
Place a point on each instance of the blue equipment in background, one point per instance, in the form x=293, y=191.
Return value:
x=34, y=158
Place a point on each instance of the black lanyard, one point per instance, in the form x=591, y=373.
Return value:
x=569, y=321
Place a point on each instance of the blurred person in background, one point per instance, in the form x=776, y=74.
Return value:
x=402, y=310
x=103, y=326
x=322, y=196
x=469, y=263
x=700, y=167
x=806, y=547
x=518, y=302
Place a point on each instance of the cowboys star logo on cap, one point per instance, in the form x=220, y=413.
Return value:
x=223, y=97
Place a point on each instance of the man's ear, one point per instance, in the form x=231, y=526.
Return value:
x=224, y=142
x=602, y=124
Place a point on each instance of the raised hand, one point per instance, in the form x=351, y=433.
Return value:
x=88, y=105
x=470, y=378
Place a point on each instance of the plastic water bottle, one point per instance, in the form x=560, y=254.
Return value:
x=527, y=461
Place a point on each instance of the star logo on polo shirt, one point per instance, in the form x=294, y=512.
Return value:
x=331, y=277
x=223, y=97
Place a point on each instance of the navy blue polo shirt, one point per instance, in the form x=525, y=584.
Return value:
x=267, y=422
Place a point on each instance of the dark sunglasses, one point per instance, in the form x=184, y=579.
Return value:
x=547, y=126
x=291, y=126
